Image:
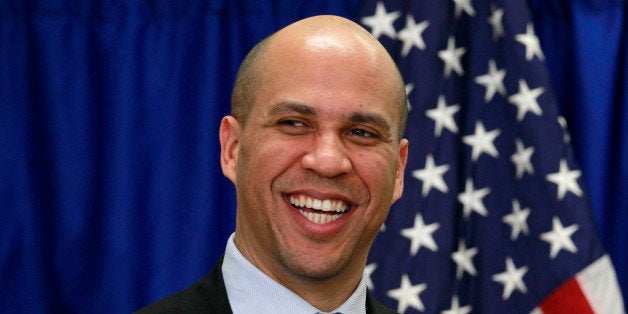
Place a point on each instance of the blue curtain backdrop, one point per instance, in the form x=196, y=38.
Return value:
x=111, y=193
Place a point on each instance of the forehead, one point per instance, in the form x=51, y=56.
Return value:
x=327, y=73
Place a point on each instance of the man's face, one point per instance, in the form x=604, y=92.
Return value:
x=318, y=163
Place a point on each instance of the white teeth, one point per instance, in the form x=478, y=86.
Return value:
x=340, y=207
x=320, y=218
x=326, y=207
x=317, y=204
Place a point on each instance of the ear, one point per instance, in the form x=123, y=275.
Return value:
x=229, y=146
x=401, y=168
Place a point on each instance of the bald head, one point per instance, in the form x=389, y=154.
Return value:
x=325, y=35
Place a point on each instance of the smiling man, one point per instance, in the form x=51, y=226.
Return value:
x=314, y=147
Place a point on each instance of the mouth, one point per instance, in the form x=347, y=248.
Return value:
x=319, y=211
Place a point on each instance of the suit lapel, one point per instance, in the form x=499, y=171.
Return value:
x=374, y=307
x=212, y=288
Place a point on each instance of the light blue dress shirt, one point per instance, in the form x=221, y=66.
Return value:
x=251, y=291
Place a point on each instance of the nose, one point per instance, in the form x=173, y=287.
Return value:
x=327, y=156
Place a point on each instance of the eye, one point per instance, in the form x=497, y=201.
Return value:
x=293, y=126
x=363, y=133
x=291, y=123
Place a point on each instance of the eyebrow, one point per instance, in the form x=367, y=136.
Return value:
x=286, y=107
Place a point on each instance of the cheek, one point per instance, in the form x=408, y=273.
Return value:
x=378, y=171
x=264, y=159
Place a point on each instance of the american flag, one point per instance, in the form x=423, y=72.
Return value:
x=494, y=217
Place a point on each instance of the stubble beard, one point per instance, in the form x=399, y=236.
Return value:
x=312, y=265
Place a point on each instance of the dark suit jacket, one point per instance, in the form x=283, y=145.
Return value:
x=209, y=295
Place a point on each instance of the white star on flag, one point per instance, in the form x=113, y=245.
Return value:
x=560, y=238
x=409, y=87
x=432, y=176
x=563, y=125
x=512, y=279
x=531, y=42
x=407, y=295
x=517, y=220
x=443, y=116
x=411, y=35
x=521, y=159
x=381, y=23
x=464, y=259
x=463, y=5
x=451, y=56
x=482, y=141
x=368, y=271
x=566, y=180
x=471, y=199
x=495, y=19
x=493, y=81
x=421, y=235
x=456, y=309
x=525, y=100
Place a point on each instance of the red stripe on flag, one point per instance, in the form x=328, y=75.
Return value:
x=567, y=299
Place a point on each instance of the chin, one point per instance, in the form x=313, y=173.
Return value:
x=322, y=273
x=320, y=269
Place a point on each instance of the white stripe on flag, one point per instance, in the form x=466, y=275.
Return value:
x=599, y=284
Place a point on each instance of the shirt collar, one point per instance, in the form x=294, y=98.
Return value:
x=251, y=291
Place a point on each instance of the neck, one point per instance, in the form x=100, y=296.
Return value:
x=324, y=293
